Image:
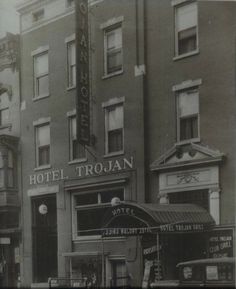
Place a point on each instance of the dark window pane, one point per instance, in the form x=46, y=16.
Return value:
x=187, y=40
x=44, y=155
x=89, y=221
x=188, y=128
x=114, y=61
x=86, y=199
x=199, y=198
x=107, y=196
x=115, y=140
x=10, y=177
x=78, y=151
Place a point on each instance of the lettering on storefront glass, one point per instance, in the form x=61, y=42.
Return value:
x=220, y=243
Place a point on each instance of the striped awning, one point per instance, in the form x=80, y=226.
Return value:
x=133, y=218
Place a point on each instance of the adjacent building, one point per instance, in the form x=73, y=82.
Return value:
x=10, y=201
x=158, y=173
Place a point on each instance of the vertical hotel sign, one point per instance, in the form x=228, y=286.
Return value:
x=82, y=73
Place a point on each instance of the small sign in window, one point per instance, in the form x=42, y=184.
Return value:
x=212, y=272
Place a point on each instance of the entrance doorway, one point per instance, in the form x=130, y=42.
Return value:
x=119, y=274
x=44, y=230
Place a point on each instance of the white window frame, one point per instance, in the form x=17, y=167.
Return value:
x=106, y=31
x=36, y=77
x=178, y=116
x=75, y=208
x=70, y=85
x=72, y=115
x=107, y=107
x=36, y=127
x=195, y=51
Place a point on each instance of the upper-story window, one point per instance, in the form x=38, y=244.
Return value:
x=77, y=151
x=114, y=128
x=90, y=208
x=6, y=168
x=42, y=142
x=41, y=77
x=113, y=50
x=4, y=117
x=38, y=15
x=71, y=64
x=188, y=115
x=186, y=28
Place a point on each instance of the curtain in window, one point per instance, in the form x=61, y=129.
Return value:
x=41, y=64
x=188, y=103
x=186, y=16
x=115, y=118
x=43, y=133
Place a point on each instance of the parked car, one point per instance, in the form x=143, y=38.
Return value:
x=214, y=272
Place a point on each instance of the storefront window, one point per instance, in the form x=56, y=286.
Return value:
x=90, y=209
x=86, y=271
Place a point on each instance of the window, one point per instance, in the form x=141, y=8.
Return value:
x=10, y=168
x=114, y=123
x=196, y=197
x=38, y=15
x=186, y=28
x=41, y=79
x=6, y=168
x=4, y=117
x=90, y=209
x=77, y=151
x=71, y=64
x=113, y=50
x=42, y=145
x=187, y=114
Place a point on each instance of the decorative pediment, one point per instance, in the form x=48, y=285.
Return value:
x=186, y=155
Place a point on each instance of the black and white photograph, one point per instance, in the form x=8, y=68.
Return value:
x=117, y=143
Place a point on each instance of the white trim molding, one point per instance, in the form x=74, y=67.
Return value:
x=70, y=38
x=42, y=121
x=111, y=22
x=113, y=101
x=186, y=84
x=40, y=50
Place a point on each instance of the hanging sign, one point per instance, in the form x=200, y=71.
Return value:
x=82, y=73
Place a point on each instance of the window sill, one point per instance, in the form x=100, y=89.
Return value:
x=35, y=98
x=178, y=57
x=42, y=168
x=188, y=141
x=71, y=88
x=77, y=161
x=114, y=154
x=113, y=74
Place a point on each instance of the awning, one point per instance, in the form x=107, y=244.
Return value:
x=137, y=219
